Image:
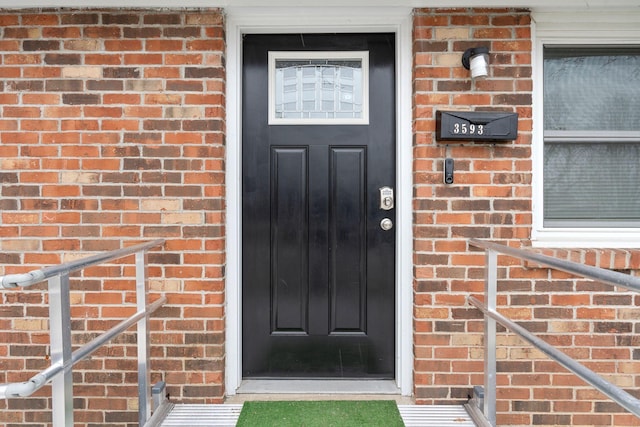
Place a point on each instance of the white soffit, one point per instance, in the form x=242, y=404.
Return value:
x=530, y=4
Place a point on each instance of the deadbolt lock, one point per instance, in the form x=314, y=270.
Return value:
x=387, y=201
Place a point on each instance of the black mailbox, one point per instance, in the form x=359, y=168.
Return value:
x=476, y=126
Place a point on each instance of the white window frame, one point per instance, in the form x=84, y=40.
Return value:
x=362, y=56
x=587, y=28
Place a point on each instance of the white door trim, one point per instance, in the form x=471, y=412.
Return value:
x=241, y=21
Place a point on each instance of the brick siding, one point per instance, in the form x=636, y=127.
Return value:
x=491, y=199
x=112, y=132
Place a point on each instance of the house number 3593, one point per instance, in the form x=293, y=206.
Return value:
x=468, y=129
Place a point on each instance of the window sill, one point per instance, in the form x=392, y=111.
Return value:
x=606, y=248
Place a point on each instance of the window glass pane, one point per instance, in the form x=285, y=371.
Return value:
x=592, y=184
x=308, y=86
x=592, y=88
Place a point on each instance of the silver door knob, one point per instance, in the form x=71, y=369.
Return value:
x=386, y=224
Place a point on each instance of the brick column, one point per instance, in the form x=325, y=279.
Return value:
x=491, y=199
x=112, y=132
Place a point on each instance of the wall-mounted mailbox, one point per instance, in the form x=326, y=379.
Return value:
x=476, y=126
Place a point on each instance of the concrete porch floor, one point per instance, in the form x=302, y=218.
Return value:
x=317, y=389
x=241, y=398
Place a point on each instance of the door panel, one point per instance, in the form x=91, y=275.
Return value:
x=347, y=230
x=290, y=243
x=318, y=271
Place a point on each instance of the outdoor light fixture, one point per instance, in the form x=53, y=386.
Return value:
x=476, y=59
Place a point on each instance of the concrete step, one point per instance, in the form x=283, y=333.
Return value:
x=193, y=415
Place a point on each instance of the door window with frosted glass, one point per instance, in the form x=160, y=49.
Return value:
x=318, y=88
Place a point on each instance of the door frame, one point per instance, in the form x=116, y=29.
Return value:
x=241, y=21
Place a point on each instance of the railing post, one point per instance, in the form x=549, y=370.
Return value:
x=490, y=293
x=144, y=378
x=60, y=331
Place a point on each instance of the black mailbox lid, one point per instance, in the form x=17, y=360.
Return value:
x=476, y=126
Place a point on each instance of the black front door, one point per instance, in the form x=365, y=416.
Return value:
x=318, y=268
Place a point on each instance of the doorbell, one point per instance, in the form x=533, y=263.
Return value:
x=448, y=171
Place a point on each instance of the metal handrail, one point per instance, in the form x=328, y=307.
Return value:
x=610, y=277
x=614, y=392
x=62, y=358
x=24, y=280
x=27, y=388
x=617, y=394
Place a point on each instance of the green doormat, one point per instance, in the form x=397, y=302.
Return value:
x=322, y=413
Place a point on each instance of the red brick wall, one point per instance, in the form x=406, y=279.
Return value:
x=491, y=199
x=112, y=132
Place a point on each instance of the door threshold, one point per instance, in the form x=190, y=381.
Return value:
x=288, y=386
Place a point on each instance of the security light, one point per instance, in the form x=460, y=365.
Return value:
x=476, y=59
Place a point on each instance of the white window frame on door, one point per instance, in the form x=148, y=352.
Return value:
x=396, y=20
x=586, y=28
